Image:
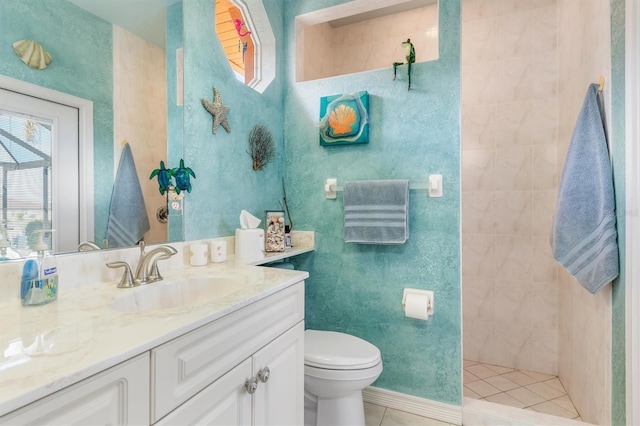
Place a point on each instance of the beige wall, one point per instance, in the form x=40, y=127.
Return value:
x=526, y=68
x=509, y=182
x=318, y=54
x=584, y=51
x=368, y=45
x=140, y=115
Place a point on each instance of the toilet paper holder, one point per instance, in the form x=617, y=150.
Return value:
x=428, y=293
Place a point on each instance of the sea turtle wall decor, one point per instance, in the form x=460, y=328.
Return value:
x=181, y=174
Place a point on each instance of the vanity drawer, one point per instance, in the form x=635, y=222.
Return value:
x=186, y=365
x=116, y=396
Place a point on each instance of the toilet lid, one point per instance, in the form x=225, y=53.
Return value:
x=338, y=351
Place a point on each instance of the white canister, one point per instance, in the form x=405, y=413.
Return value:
x=218, y=250
x=198, y=254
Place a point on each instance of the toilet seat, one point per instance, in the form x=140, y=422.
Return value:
x=331, y=350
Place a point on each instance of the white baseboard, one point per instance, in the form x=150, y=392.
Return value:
x=413, y=404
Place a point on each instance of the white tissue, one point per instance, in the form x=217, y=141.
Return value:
x=248, y=221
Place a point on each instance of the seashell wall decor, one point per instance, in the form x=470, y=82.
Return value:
x=344, y=119
x=32, y=53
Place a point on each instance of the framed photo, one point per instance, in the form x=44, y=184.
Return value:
x=274, y=231
x=344, y=119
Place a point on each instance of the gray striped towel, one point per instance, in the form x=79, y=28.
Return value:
x=128, y=220
x=376, y=212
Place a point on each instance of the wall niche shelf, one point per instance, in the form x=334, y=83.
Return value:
x=364, y=35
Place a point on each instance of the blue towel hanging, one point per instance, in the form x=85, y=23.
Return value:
x=128, y=220
x=584, y=237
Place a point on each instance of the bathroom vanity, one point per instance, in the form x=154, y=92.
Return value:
x=234, y=355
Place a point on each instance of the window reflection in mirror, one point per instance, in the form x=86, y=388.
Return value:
x=236, y=38
x=39, y=171
x=25, y=166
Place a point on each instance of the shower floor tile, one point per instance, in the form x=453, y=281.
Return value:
x=518, y=388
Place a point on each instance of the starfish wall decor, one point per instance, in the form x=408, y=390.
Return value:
x=218, y=111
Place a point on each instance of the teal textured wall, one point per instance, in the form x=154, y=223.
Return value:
x=81, y=46
x=618, y=391
x=226, y=182
x=358, y=288
x=174, y=111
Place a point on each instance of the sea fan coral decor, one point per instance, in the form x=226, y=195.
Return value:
x=344, y=119
x=261, y=147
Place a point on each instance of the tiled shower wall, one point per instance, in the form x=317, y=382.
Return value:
x=140, y=115
x=584, y=321
x=526, y=68
x=369, y=45
x=509, y=182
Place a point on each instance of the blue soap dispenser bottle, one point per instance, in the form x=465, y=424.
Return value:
x=39, y=283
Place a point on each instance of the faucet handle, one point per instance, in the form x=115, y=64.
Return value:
x=142, y=245
x=155, y=272
x=127, y=280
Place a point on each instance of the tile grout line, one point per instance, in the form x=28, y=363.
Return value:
x=384, y=413
x=482, y=369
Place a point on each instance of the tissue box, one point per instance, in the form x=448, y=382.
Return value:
x=249, y=243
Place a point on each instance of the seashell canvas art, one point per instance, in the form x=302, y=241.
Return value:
x=32, y=53
x=344, y=119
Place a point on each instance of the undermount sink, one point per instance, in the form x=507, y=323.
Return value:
x=174, y=294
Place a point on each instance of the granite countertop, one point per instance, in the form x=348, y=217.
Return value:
x=46, y=348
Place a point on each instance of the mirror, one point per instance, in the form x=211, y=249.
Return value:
x=113, y=55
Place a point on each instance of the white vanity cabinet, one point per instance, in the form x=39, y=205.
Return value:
x=199, y=378
x=277, y=401
x=117, y=396
x=280, y=401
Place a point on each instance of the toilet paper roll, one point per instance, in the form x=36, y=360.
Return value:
x=218, y=250
x=198, y=254
x=417, y=306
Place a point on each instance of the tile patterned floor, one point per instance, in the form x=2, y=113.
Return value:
x=376, y=415
x=518, y=388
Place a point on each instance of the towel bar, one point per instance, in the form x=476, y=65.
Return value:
x=331, y=187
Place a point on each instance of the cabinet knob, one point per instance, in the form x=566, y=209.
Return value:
x=251, y=385
x=264, y=374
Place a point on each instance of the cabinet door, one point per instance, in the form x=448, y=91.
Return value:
x=186, y=365
x=280, y=401
x=117, y=396
x=225, y=402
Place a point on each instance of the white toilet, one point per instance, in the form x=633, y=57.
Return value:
x=337, y=366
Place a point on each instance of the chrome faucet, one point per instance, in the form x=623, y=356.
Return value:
x=145, y=274
x=88, y=245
